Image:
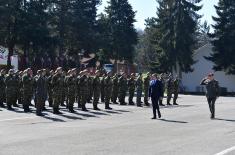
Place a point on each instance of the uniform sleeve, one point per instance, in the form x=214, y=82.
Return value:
x=203, y=82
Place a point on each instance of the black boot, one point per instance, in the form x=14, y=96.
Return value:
x=2, y=105
x=84, y=108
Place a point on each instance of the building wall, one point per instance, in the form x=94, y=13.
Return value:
x=191, y=81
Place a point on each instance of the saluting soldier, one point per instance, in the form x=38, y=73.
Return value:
x=84, y=92
x=2, y=88
x=28, y=82
x=175, y=90
x=78, y=94
x=108, y=90
x=96, y=84
x=90, y=88
x=146, y=89
x=139, y=89
x=64, y=90
x=50, y=88
x=20, y=93
x=122, y=83
x=40, y=91
x=131, y=88
x=58, y=85
x=115, y=89
x=71, y=82
x=102, y=87
x=11, y=90
x=212, y=92
x=170, y=89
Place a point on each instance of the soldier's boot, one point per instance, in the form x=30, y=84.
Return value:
x=2, y=105
x=9, y=107
x=84, y=108
x=71, y=109
x=56, y=111
x=168, y=101
x=15, y=105
x=62, y=104
x=174, y=101
x=79, y=105
x=107, y=106
x=146, y=101
x=160, y=103
x=95, y=107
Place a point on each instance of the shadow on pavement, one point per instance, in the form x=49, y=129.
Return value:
x=174, y=106
x=173, y=121
x=53, y=119
x=227, y=120
x=85, y=115
x=98, y=113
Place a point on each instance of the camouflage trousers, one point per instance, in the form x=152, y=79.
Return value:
x=146, y=92
x=138, y=97
x=96, y=97
x=114, y=95
x=11, y=97
x=57, y=98
x=26, y=100
x=131, y=95
x=169, y=96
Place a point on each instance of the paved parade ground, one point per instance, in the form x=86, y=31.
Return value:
x=183, y=130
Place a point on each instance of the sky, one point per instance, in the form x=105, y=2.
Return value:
x=147, y=8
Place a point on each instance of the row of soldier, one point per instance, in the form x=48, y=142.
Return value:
x=58, y=87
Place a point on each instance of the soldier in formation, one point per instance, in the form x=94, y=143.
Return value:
x=58, y=87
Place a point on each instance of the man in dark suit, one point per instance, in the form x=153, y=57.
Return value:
x=155, y=93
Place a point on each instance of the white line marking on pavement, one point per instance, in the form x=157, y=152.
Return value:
x=226, y=151
x=13, y=119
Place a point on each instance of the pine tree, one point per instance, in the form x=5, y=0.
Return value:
x=223, y=37
x=10, y=14
x=186, y=20
x=121, y=24
x=175, y=28
x=84, y=19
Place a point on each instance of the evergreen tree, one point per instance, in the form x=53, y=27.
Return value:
x=121, y=24
x=223, y=37
x=10, y=14
x=84, y=18
x=175, y=28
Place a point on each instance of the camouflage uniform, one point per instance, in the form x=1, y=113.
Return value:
x=78, y=94
x=40, y=93
x=175, y=90
x=2, y=90
x=170, y=89
x=50, y=90
x=122, y=84
x=96, y=93
x=28, y=82
x=84, y=91
x=20, y=90
x=58, y=85
x=102, y=91
x=115, y=89
x=108, y=91
x=11, y=90
x=64, y=91
x=90, y=88
x=146, y=89
x=139, y=89
x=131, y=89
x=71, y=83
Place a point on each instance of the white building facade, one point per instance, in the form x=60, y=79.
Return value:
x=191, y=81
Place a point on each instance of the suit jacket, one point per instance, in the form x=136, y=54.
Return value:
x=156, y=89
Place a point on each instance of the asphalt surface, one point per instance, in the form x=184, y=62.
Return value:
x=184, y=130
